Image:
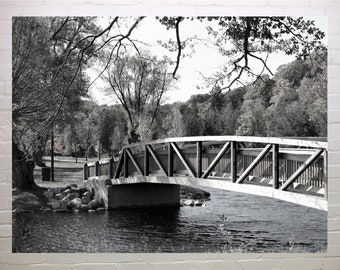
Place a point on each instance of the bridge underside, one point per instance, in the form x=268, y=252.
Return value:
x=157, y=190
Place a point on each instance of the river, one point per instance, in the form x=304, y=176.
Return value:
x=230, y=222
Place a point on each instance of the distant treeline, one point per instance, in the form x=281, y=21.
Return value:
x=292, y=103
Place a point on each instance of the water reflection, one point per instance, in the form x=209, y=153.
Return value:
x=250, y=224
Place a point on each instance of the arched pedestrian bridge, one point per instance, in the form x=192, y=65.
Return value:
x=145, y=174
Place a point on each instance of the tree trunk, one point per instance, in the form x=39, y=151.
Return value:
x=22, y=169
x=38, y=158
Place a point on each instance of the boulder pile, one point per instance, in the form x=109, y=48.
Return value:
x=73, y=199
x=193, y=196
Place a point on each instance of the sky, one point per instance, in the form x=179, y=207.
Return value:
x=204, y=61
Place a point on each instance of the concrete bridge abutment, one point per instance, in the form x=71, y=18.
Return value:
x=137, y=195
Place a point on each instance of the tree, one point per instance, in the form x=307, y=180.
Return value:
x=231, y=111
x=246, y=39
x=256, y=101
x=298, y=105
x=139, y=83
x=44, y=75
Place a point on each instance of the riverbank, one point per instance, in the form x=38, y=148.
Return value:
x=69, y=171
x=39, y=198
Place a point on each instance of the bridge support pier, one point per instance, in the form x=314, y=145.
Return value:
x=137, y=195
x=143, y=195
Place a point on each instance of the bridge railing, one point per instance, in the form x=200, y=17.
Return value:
x=285, y=164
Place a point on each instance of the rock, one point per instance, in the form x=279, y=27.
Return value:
x=188, y=202
x=75, y=190
x=198, y=203
x=54, y=203
x=82, y=190
x=70, y=186
x=59, y=196
x=72, y=196
x=49, y=193
x=86, y=200
x=94, y=204
x=59, y=205
x=66, y=192
x=84, y=208
x=65, y=200
x=75, y=203
x=87, y=194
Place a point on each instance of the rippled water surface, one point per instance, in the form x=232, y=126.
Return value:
x=230, y=222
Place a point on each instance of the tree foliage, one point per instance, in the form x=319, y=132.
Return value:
x=245, y=39
x=139, y=83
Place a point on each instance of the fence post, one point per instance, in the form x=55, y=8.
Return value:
x=233, y=161
x=97, y=168
x=85, y=171
x=170, y=160
x=111, y=168
x=199, y=160
x=276, y=166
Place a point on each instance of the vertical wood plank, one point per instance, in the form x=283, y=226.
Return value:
x=199, y=160
x=275, y=164
x=111, y=167
x=85, y=171
x=170, y=160
x=119, y=166
x=233, y=160
x=146, y=161
x=325, y=172
x=126, y=165
x=97, y=168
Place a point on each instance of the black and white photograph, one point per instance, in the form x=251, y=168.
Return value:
x=169, y=134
